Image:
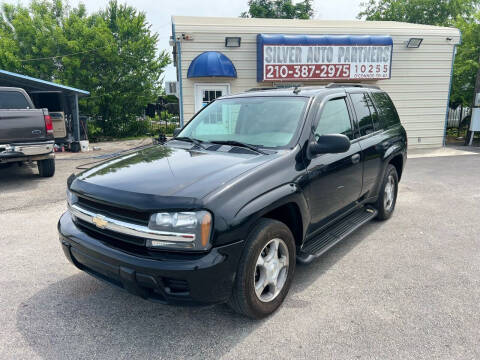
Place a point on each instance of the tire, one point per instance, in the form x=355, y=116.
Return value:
x=75, y=147
x=387, y=197
x=261, y=242
x=46, y=168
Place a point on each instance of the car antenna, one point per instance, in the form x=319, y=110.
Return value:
x=296, y=90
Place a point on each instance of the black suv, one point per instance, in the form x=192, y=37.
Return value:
x=251, y=184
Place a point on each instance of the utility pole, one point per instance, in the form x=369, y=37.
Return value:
x=476, y=105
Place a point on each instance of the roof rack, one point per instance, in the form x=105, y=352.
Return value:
x=335, y=85
x=262, y=89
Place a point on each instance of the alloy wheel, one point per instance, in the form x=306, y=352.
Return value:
x=389, y=195
x=271, y=270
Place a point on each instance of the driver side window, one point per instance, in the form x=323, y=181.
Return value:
x=334, y=119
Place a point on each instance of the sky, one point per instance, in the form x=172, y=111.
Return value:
x=159, y=13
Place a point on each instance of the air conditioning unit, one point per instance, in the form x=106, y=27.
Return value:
x=171, y=88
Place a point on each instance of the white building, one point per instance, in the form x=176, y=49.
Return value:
x=413, y=63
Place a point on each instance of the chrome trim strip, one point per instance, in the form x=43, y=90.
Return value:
x=129, y=228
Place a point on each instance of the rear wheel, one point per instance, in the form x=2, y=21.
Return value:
x=387, y=197
x=265, y=271
x=46, y=167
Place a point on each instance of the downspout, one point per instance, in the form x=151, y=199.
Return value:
x=179, y=73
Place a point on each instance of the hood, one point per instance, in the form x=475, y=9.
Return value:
x=164, y=172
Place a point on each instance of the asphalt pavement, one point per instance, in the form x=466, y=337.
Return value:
x=407, y=288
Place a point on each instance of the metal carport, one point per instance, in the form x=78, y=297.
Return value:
x=31, y=84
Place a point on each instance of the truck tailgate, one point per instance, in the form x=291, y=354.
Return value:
x=22, y=125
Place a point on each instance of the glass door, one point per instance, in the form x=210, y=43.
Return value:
x=206, y=93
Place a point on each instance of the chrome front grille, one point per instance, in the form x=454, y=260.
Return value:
x=105, y=222
x=121, y=213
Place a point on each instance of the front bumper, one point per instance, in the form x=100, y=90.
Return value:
x=170, y=278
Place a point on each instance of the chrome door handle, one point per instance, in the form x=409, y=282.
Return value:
x=356, y=158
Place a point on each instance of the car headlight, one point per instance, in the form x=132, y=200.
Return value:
x=182, y=230
x=71, y=198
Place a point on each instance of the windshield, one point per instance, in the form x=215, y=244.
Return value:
x=263, y=121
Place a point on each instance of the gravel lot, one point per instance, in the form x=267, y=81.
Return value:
x=405, y=288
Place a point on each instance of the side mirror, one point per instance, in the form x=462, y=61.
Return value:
x=329, y=144
x=176, y=131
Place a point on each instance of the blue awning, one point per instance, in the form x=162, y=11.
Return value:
x=211, y=64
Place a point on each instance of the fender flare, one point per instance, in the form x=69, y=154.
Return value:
x=263, y=204
x=391, y=152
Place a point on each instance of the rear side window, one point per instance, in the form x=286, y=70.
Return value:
x=335, y=119
x=12, y=100
x=387, y=112
x=365, y=121
x=374, y=113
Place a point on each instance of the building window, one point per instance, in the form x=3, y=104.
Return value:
x=208, y=97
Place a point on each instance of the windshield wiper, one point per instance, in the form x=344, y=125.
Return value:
x=240, y=144
x=192, y=140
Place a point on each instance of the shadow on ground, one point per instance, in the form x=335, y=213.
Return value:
x=81, y=317
x=12, y=176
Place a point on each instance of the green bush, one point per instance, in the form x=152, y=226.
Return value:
x=138, y=128
x=132, y=128
x=94, y=132
x=160, y=129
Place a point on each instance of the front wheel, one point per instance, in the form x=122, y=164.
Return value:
x=387, y=197
x=265, y=271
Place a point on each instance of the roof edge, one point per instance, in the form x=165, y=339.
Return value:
x=45, y=82
x=196, y=20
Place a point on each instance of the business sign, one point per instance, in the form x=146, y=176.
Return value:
x=316, y=57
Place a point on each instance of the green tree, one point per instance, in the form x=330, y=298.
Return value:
x=279, y=9
x=27, y=33
x=131, y=69
x=431, y=12
x=112, y=53
x=466, y=61
x=463, y=14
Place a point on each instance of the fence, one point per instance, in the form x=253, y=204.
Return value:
x=457, y=116
x=458, y=121
x=132, y=128
x=162, y=127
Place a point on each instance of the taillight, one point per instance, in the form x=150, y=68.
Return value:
x=48, y=124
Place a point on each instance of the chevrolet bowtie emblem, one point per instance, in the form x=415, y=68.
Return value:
x=100, y=221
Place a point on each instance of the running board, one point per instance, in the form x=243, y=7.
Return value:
x=337, y=232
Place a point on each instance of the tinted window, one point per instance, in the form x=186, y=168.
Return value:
x=364, y=117
x=12, y=100
x=334, y=119
x=388, y=113
x=374, y=114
